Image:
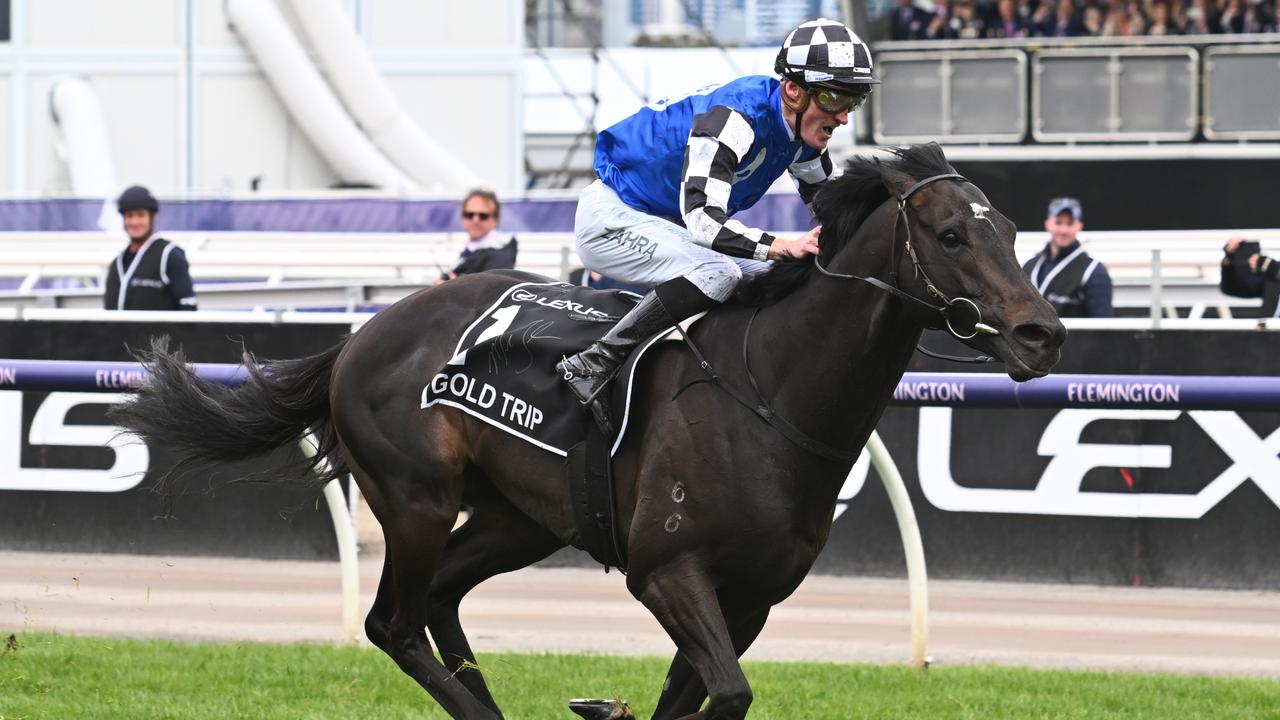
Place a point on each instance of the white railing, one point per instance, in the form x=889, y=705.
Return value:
x=1159, y=269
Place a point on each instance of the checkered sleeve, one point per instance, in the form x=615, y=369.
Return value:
x=810, y=174
x=717, y=142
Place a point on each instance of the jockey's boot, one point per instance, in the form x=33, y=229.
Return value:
x=588, y=373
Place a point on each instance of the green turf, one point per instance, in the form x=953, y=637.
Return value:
x=57, y=677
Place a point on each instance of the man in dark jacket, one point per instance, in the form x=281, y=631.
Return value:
x=486, y=248
x=1074, y=283
x=1247, y=273
x=908, y=21
x=151, y=273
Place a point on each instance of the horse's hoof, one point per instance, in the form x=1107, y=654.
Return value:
x=616, y=709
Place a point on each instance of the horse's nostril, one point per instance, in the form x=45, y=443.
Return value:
x=1039, y=334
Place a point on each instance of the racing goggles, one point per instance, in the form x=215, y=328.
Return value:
x=835, y=102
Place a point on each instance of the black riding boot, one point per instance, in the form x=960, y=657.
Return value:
x=590, y=371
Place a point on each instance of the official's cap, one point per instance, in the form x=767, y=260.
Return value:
x=1057, y=206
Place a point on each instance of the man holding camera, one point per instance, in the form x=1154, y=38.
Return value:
x=1247, y=273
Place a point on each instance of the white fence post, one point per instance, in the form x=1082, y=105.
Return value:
x=917, y=577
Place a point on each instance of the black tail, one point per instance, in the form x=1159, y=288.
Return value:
x=281, y=403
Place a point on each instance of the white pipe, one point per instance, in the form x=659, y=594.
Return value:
x=309, y=100
x=348, y=560
x=917, y=577
x=368, y=98
x=85, y=145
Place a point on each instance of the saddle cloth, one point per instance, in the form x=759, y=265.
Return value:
x=503, y=368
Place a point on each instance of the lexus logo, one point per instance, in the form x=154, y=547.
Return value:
x=49, y=427
x=1058, y=491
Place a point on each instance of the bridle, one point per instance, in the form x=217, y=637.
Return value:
x=764, y=410
x=950, y=307
x=761, y=406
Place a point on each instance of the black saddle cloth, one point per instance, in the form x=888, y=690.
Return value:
x=503, y=368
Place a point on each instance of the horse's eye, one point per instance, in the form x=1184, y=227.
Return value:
x=950, y=239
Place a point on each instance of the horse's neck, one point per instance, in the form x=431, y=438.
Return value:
x=846, y=343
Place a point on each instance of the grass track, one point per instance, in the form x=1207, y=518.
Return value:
x=58, y=677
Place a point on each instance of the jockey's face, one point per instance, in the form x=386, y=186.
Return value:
x=817, y=125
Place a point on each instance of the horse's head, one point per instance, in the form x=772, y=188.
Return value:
x=952, y=253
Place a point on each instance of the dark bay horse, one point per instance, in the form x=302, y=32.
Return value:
x=721, y=514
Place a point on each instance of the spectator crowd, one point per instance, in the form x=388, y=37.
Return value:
x=994, y=19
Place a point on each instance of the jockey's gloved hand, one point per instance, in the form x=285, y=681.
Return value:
x=795, y=248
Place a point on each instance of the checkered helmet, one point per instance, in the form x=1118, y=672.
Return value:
x=825, y=53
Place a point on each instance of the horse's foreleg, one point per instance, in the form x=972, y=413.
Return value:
x=683, y=691
x=682, y=598
x=498, y=538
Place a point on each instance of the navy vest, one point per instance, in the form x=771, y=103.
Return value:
x=144, y=280
x=1063, y=284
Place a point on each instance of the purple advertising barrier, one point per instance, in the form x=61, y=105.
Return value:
x=1132, y=392
x=775, y=211
x=979, y=390
x=88, y=376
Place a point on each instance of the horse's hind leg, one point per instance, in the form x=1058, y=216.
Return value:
x=416, y=502
x=684, y=691
x=683, y=599
x=498, y=538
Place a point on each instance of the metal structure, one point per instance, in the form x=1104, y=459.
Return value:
x=1080, y=90
x=1242, y=92
x=1114, y=94
x=969, y=96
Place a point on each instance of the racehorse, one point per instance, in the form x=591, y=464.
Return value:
x=722, y=507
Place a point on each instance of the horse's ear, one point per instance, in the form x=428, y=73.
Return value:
x=894, y=179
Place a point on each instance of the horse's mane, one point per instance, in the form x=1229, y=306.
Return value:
x=841, y=206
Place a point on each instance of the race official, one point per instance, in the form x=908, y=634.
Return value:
x=1074, y=283
x=151, y=273
x=672, y=176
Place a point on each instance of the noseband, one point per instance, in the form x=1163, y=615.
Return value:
x=950, y=306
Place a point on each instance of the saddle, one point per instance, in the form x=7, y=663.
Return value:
x=502, y=372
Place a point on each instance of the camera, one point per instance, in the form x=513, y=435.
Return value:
x=1240, y=256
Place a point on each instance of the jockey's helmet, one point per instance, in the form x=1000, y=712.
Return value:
x=137, y=198
x=823, y=53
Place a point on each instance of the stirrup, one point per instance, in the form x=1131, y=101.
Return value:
x=616, y=709
x=605, y=382
x=599, y=382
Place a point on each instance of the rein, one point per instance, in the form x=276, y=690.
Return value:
x=761, y=407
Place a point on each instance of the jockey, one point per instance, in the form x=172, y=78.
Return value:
x=672, y=176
